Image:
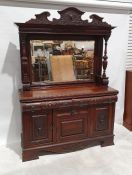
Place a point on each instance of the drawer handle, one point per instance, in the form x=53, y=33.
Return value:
x=32, y=108
x=49, y=104
x=65, y=103
x=39, y=131
x=73, y=112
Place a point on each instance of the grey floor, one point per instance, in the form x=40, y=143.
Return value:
x=112, y=160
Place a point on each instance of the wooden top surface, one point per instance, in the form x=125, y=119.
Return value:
x=57, y=93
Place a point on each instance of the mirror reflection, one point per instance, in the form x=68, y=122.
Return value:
x=61, y=61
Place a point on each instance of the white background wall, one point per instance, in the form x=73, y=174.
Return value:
x=10, y=78
x=130, y=1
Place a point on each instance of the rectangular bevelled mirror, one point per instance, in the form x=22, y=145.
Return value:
x=62, y=60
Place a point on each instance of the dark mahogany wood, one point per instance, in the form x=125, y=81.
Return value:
x=127, y=119
x=64, y=117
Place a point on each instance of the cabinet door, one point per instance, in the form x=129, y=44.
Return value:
x=37, y=127
x=71, y=123
x=102, y=119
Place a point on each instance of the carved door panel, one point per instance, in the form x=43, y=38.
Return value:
x=37, y=128
x=71, y=123
x=103, y=118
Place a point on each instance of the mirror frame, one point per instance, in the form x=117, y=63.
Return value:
x=50, y=81
x=73, y=39
x=69, y=26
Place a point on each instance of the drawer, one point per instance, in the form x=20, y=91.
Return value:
x=31, y=107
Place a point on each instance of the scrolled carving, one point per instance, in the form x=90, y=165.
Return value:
x=69, y=16
x=96, y=100
x=67, y=103
x=97, y=20
x=40, y=19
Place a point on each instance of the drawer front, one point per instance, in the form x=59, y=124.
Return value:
x=102, y=119
x=71, y=124
x=37, y=128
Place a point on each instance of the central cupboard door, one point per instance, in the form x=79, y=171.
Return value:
x=71, y=123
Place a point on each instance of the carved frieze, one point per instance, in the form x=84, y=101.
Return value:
x=65, y=103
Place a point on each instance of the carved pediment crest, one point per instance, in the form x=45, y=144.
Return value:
x=69, y=16
x=40, y=19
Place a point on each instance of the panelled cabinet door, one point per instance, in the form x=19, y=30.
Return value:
x=102, y=119
x=37, y=127
x=71, y=123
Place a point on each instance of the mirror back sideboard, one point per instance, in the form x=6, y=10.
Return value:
x=66, y=102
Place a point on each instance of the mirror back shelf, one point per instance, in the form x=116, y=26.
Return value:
x=64, y=51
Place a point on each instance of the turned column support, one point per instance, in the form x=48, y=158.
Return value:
x=105, y=80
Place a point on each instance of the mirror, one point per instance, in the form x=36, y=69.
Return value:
x=62, y=61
